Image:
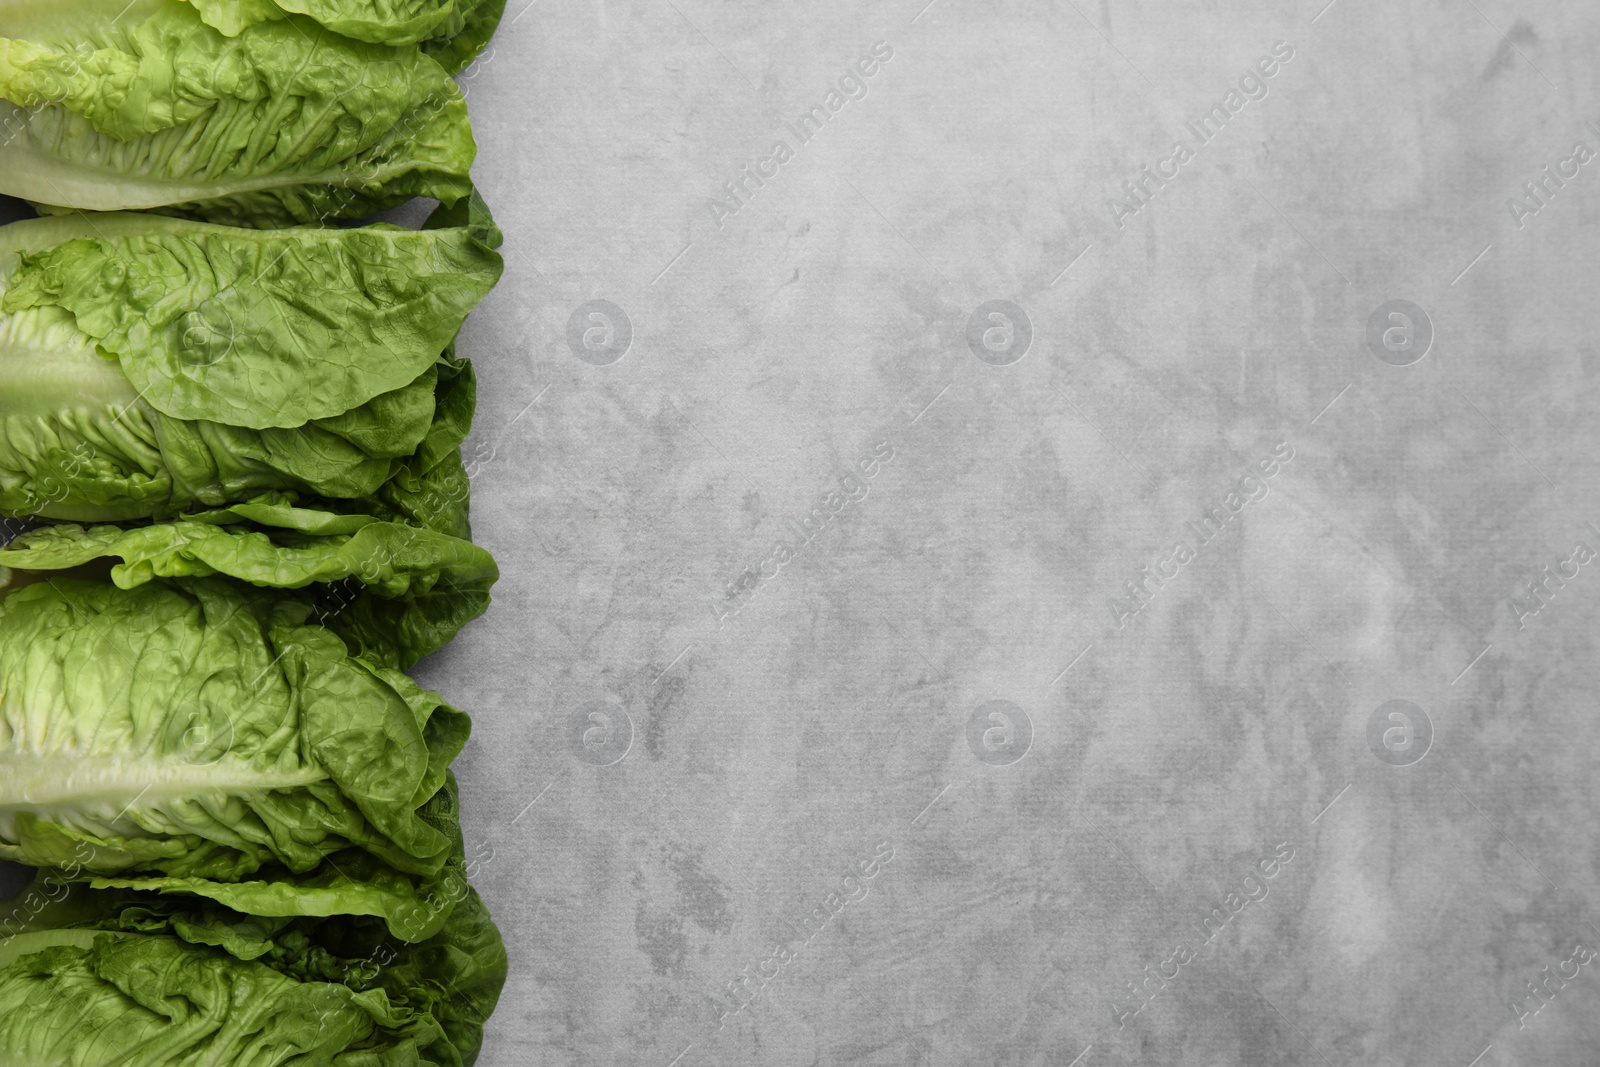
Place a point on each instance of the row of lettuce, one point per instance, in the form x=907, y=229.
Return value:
x=231, y=423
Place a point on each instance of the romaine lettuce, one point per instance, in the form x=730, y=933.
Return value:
x=245, y=361
x=137, y=979
x=246, y=425
x=396, y=592
x=204, y=736
x=395, y=22
x=118, y=104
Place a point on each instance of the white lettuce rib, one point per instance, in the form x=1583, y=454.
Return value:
x=31, y=782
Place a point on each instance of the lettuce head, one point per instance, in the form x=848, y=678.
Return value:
x=435, y=24
x=151, y=366
x=393, y=591
x=204, y=737
x=117, y=104
x=94, y=977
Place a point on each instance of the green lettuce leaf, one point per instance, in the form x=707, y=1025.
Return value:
x=79, y=444
x=382, y=21
x=465, y=33
x=117, y=104
x=453, y=33
x=441, y=989
x=80, y=441
x=261, y=328
x=395, y=592
x=412, y=907
x=203, y=735
x=148, y=1001
x=431, y=488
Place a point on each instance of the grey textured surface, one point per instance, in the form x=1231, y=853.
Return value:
x=807, y=742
